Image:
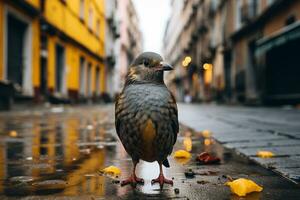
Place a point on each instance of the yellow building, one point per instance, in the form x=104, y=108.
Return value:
x=53, y=48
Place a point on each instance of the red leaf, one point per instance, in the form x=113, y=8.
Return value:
x=206, y=159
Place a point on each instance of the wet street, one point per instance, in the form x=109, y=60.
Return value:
x=58, y=152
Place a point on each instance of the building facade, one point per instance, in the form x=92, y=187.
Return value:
x=112, y=44
x=54, y=49
x=131, y=41
x=240, y=50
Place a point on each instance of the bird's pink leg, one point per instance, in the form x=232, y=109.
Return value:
x=161, y=179
x=133, y=179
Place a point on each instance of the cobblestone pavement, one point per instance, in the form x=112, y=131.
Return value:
x=57, y=152
x=251, y=129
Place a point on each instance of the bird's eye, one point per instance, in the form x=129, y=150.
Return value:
x=146, y=62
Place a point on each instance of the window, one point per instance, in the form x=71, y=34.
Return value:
x=91, y=15
x=238, y=15
x=98, y=27
x=270, y=2
x=81, y=10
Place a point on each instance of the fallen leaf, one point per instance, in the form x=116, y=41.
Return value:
x=182, y=160
x=187, y=143
x=206, y=159
x=243, y=186
x=182, y=154
x=265, y=154
x=202, y=182
x=111, y=170
x=206, y=133
x=207, y=142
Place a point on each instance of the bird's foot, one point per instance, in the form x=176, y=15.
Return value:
x=133, y=180
x=161, y=180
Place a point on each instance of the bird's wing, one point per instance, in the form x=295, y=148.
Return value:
x=125, y=123
x=173, y=116
x=117, y=112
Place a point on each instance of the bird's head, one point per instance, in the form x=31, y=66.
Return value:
x=147, y=67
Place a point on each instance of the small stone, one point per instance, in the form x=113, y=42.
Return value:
x=202, y=182
x=176, y=190
x=115, y=181
x=189, y=174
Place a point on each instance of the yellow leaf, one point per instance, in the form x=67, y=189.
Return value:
x=182, y=160
x=206, y=134
x=111, y=170
x=243, y=186
x=182, y=154
x=265, y=154
x=207, y=142
x=187, y=143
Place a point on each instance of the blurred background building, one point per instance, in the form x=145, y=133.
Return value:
x=65, y=51
x=131, y=42
x=123, y=41
x=234, y=50
x=112, y=44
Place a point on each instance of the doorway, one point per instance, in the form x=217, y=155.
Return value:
x=97, y=81
x=82, y=76
x=89, y=80
x=59, y=68
x=282, y=73
x=15, y=42
x=17, y=58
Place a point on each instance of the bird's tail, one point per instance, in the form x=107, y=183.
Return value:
x=166, y=163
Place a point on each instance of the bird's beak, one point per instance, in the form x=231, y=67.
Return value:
x=166, y=66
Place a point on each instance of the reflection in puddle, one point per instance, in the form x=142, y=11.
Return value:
x=54, y=154
x=59, y=155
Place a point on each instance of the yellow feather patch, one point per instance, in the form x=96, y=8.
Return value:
x=149, y=134
x=132, y=74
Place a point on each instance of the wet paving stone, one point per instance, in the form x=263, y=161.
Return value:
x=59, y=152
x=249, y=129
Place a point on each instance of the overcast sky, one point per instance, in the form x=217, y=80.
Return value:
x=153, y=15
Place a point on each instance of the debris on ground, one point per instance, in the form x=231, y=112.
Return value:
x=208, y=142
x=189, y=174
x=227, y=177
x=187, y=143
x=176, y=190
x=202, y=182
x=111, y=170
x=208, y=173
x=243, y=186
x=206, y=159
x=206, y=133
x=115, y=181
x=265, y=154
x=182, y=154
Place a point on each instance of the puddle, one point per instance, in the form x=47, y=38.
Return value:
x=61, y=152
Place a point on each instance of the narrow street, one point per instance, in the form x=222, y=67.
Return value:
x=57, y=153
x=248, y=130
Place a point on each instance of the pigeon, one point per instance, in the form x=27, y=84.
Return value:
x=146, y=115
